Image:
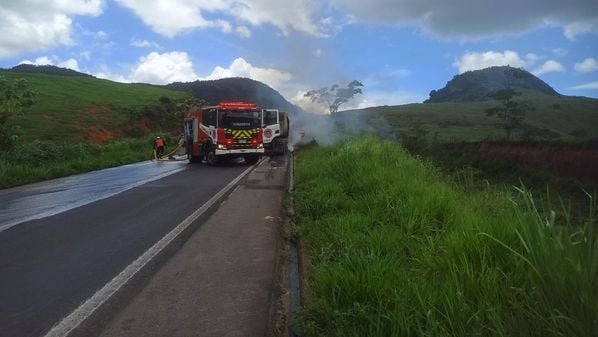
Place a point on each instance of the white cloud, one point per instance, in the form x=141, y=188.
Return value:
x=70, y=63
x=474, y=61
x=174, y=17
x=588, y=65
x=587, y=86
x=549, y=66
x=40, y=25
x=178, y=16
x=156, y=68
x=241, y=68
x=54, y=61
x=145, y=44
x=581, y=27
x=163, y=68
x=477, y=19
x=318, y=52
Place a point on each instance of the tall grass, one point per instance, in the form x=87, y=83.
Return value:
x=39, y=160
x=396, y=250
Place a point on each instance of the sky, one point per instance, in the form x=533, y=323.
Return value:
x=399, y=49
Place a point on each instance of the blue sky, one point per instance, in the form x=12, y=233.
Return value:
x=399, y=49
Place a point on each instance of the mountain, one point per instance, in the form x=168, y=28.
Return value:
x=236, y=89
x=46, y=69
x=477, y=85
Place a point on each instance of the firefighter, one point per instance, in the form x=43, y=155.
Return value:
x=159, y=145
x=182, y=146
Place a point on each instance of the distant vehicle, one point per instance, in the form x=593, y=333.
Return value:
x=276, y=131
x=224, y=131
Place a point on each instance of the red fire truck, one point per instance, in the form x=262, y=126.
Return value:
x=227, y=130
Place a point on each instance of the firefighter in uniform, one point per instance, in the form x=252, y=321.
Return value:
x=159, y=145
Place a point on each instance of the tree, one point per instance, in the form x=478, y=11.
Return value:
x=15, y=98
x=511, y=114
x=335, y=96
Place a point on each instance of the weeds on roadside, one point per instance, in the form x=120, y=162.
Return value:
x=397, y=250
x=38, y=160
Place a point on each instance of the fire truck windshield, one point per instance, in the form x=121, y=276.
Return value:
x=239, y=119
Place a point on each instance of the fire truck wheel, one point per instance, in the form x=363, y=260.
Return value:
x=211, y=157
x=194, y=159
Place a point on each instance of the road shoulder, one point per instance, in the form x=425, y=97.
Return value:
x=222, y=282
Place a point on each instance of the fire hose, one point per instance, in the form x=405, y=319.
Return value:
x=168, y=156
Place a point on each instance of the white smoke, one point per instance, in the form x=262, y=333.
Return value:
x=330, y=129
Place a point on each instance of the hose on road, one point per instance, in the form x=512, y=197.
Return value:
x=168, y=156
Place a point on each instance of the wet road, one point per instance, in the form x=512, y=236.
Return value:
x=92, y=226
x=44, y=199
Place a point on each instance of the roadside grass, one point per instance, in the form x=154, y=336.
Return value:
x=396, y=249
x=42, y=160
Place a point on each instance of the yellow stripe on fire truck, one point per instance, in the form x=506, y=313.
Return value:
x=242, y=133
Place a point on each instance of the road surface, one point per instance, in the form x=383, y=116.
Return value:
x=50, y=265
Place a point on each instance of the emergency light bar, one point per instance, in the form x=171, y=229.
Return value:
x=237, y=105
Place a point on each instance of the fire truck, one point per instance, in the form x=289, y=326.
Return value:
x=224, y=131
x=276, y=131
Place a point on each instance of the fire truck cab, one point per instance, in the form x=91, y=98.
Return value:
x=276, y=131
x=224, y=131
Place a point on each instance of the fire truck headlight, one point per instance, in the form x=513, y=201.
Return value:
x=221, y=147
x=260, y=145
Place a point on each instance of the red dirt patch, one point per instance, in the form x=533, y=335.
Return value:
x=566, y=161
x=98, y=134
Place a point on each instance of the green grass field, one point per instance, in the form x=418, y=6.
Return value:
x=73, y=108
x=396, y=249
x=554, y=118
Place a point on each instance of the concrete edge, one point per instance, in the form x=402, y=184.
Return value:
x=279, y=298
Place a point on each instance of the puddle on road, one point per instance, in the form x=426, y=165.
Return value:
x=44, y=199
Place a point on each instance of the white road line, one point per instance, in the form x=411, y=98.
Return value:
x=72, y=321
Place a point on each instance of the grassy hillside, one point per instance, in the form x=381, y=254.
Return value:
x=558, y=118
x=397, y=249
x=75, y=108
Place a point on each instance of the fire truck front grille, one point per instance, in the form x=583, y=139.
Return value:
x=244, y=144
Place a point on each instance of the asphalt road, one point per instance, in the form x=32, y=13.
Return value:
x=51, y=197
x=49, y=266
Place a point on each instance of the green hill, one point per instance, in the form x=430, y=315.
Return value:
x=553, y=118
x=71, y=108
x=479, y=84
